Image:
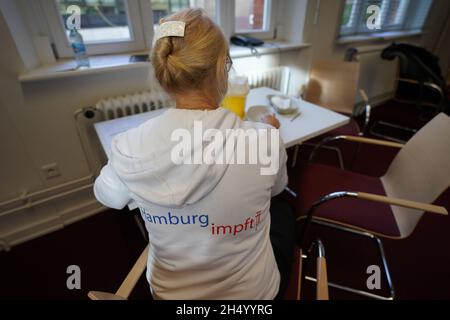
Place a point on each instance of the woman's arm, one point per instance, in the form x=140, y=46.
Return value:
x=110, y=190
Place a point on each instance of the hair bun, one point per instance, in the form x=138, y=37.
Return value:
x=165, y=48
x=196, y=61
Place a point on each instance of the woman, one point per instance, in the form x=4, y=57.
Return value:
x=209, y=224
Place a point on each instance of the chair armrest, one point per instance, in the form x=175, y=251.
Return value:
x=430, y=85
x=321, y=271
x=354, y=139
x=366, y=196
x=133, y=276
x=321, y=274
x=99, y=295
x=403, y=203
x=372, y=141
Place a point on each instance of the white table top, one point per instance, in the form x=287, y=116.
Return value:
x=312, y=122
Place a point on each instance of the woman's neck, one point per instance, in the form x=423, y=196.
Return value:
x=194, y=101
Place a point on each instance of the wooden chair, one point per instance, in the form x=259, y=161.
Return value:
x=333, y=84
x=390, y=206
x=138, y=268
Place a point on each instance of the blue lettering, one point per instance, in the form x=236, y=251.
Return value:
x=172, y=218
x=188, y=218
x=204, y=220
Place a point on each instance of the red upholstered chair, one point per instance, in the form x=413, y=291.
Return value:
x=389, y=206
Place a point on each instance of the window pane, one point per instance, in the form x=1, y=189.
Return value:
x=396, y=13
x=419, y=14
x=163, y=8
x=101, y=20
x=348, y=15
x=251, y=15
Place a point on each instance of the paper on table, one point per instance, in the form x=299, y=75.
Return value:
x=107, y=130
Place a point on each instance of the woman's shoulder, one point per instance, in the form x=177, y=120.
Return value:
x=132, y=141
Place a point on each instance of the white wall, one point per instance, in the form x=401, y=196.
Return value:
x=17, y=20
x=37, y=125
x=38, y=128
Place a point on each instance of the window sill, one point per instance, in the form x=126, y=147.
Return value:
x=66, y=68
x=269, y=47
x=388, y=35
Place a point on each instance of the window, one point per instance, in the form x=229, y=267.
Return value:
x=114, y=26
x=162, y=8
x=251, y=16
x=107, y=26
x=101, y=20
x=389, y=15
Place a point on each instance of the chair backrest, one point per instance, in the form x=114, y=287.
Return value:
x=420, y=171
x=333, y=84
x=415, y=63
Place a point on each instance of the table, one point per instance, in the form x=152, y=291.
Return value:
x=312, y=122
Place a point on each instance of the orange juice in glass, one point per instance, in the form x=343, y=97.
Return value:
x=236, y=96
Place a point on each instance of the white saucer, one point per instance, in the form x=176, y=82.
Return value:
x=292, y=109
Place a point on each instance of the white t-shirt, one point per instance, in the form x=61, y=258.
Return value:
x=208, y=224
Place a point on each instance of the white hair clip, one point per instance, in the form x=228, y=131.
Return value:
x=169, y=29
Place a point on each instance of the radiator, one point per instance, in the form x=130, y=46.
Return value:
x=122, y=106
x=276, y=78
x=108, y=109
x=378, y=77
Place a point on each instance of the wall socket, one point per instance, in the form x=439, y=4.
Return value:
x=50, y=171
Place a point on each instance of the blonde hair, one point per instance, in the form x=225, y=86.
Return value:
x=198, y=61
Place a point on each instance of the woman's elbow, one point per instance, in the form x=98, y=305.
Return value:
x=109, y=198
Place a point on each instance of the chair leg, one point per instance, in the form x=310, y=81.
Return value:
x=382, y=255
x=335, y=149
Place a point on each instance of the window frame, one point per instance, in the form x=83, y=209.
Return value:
x=139, y=33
